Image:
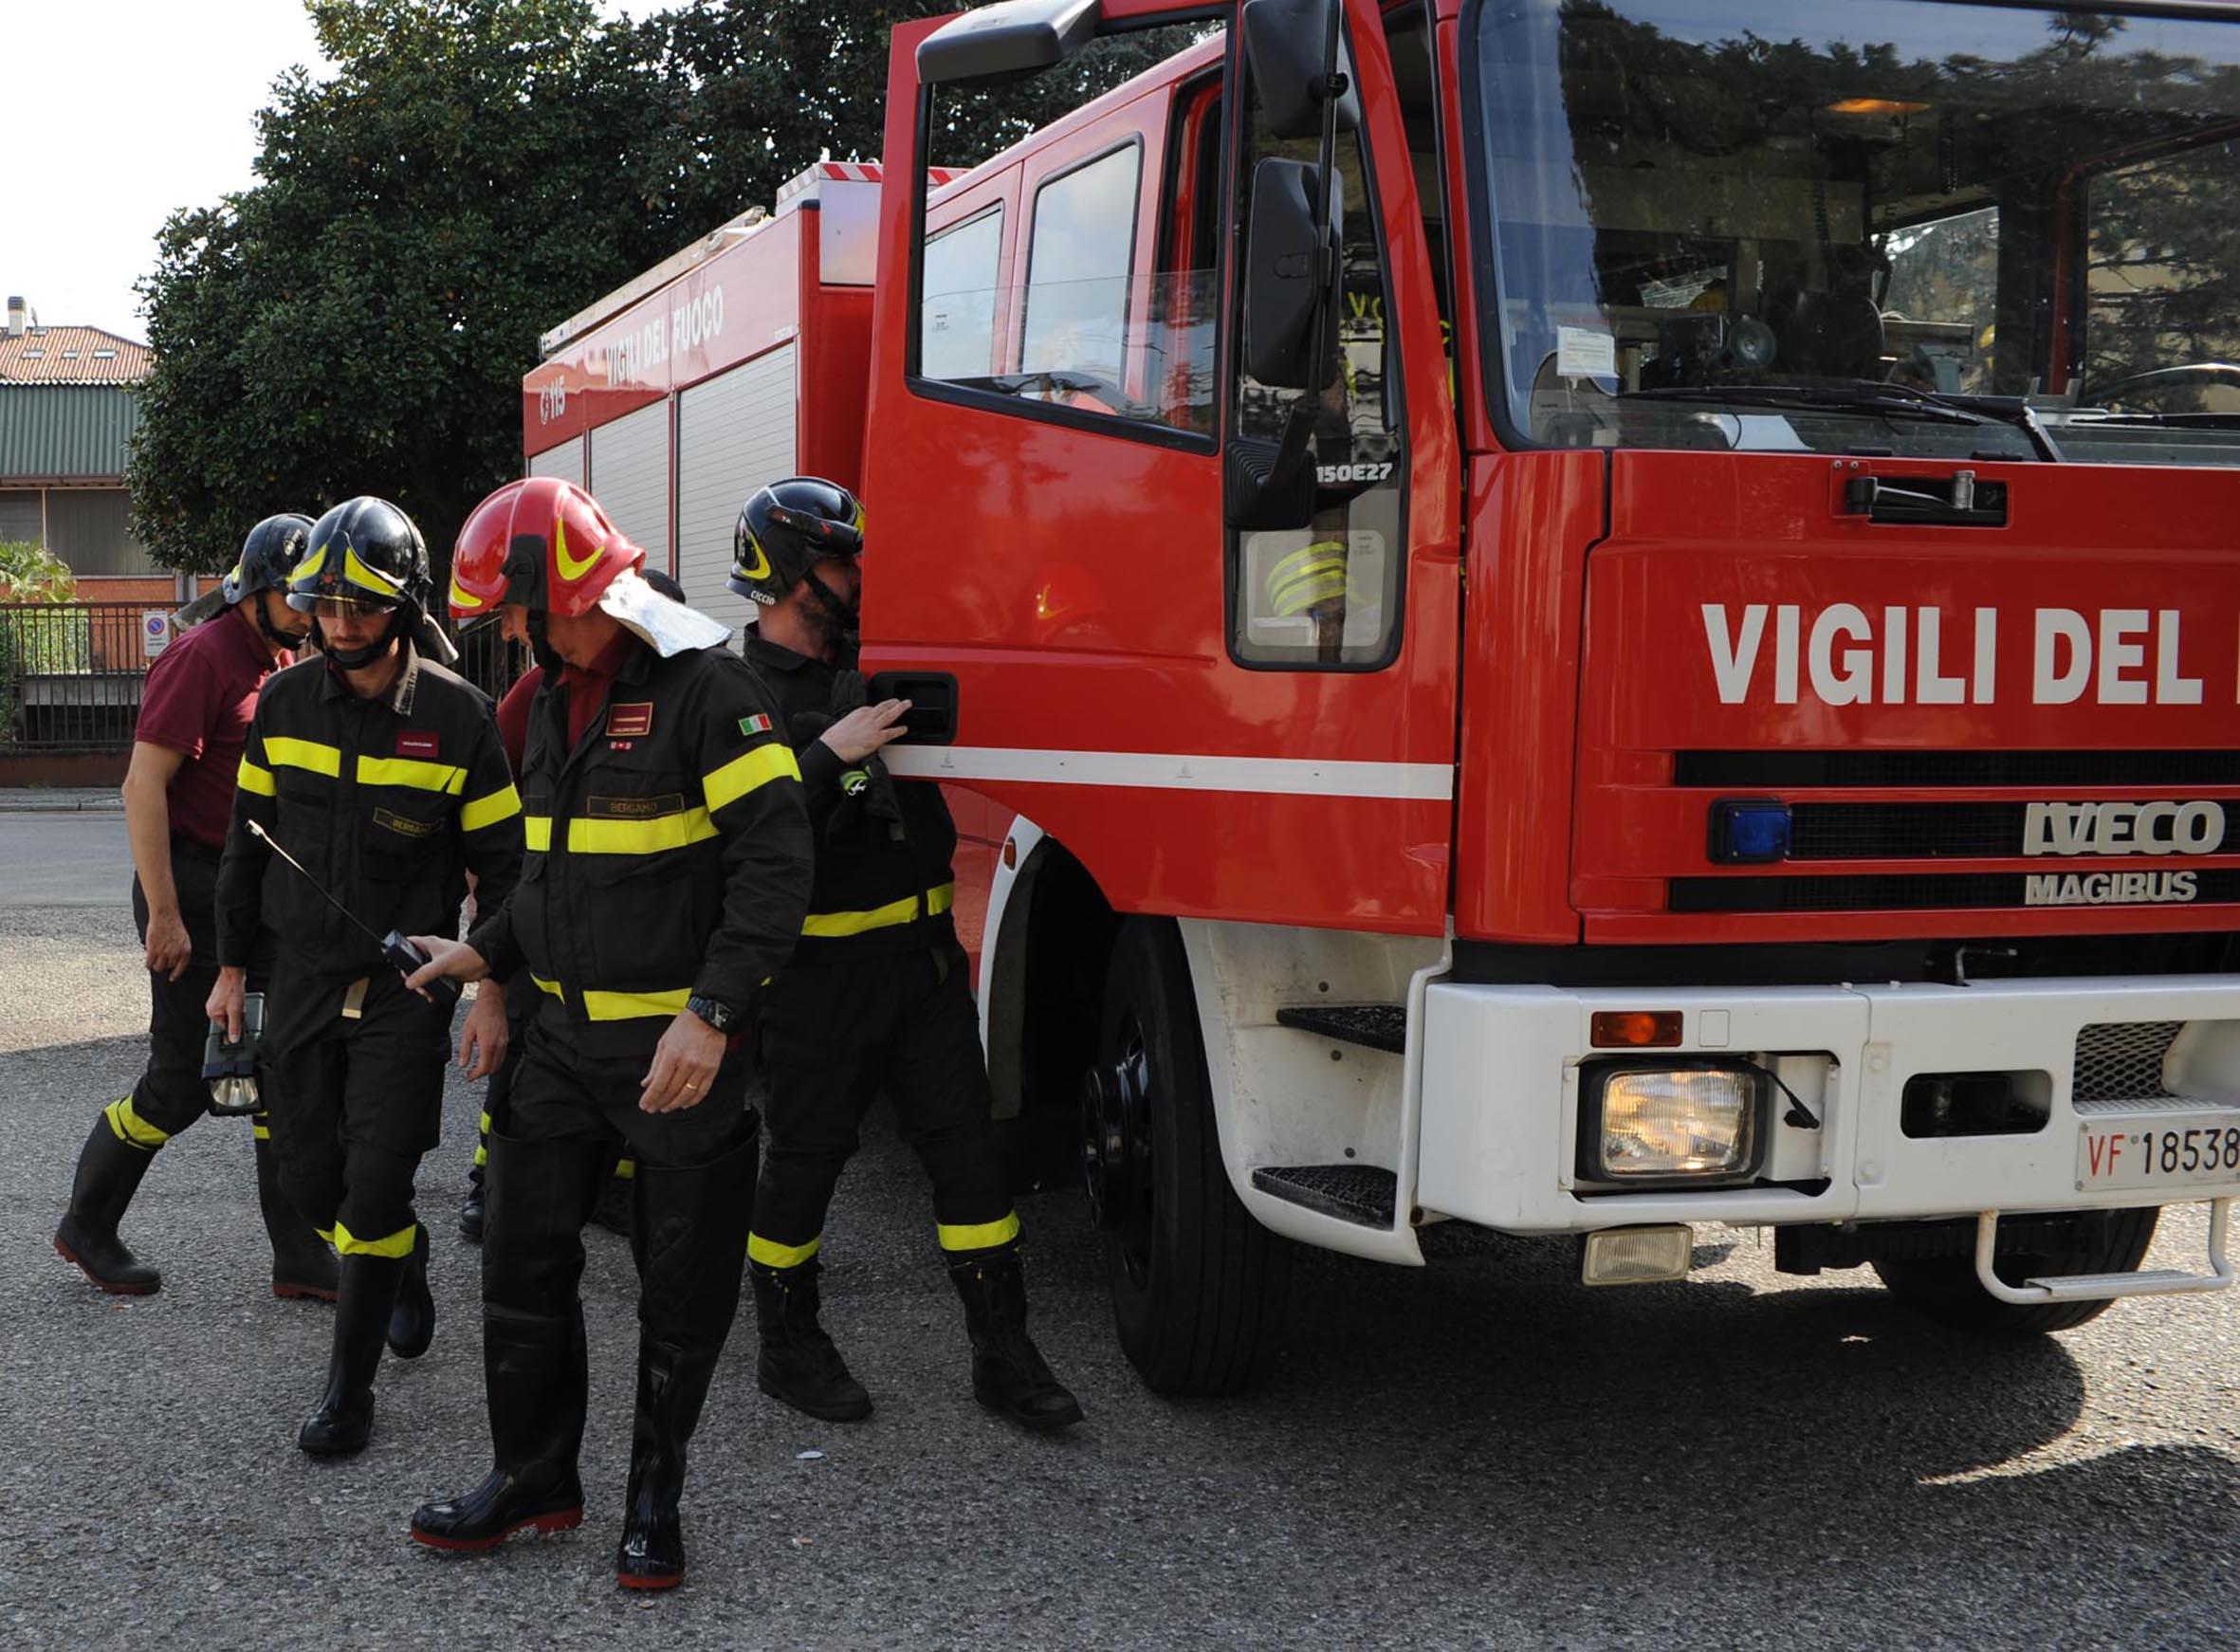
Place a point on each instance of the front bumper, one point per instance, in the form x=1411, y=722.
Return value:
x=1500, y=1098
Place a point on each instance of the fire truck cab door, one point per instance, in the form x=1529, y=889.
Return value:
x=1246, y=724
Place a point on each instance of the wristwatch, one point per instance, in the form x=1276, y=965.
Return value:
x=715, y=1012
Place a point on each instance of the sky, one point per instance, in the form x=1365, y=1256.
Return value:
x=119, y=113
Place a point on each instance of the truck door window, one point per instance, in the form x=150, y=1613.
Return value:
x=957, y=315
x=1327, y=594
x=1080, y=261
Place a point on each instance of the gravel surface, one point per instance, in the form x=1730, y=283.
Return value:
x=1476, y=1454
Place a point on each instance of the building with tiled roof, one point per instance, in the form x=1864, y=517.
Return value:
x=69, y=402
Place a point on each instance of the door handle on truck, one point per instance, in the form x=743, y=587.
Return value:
x=1956, y=501
x=932, y=717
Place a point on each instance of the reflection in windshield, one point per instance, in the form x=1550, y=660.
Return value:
x=1894, y=205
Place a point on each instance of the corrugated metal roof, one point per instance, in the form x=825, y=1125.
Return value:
x=72, y=356
x=58, y=430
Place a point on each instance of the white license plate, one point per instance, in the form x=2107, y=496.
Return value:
x=2176, y=1151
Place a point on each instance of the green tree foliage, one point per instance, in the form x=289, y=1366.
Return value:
x=31, y=572
x=471, y=173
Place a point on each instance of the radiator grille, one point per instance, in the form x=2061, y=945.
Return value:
x=2055, y=771
x=2123, y=1060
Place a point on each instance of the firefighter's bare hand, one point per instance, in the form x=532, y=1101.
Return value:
x=224, y=1005
x=865, y=729
x=168, y=950
x=452, y=957
x=484, y=1037
x=685, y=1065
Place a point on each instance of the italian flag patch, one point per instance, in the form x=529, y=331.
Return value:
x=757, y=725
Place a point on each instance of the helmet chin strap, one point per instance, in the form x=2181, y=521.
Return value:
x=838, y=623
x=358, y=658
x=273, y=635
x=541, y=648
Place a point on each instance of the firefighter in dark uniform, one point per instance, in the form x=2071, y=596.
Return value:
x=666, y=876
x=178, y=794
x=875, y=998
x=381, y=771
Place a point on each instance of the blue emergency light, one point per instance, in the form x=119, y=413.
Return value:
x=1749, y=832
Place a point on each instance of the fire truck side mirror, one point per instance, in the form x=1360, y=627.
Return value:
x=1015, y=38
x=1289, y=262
x=1287, y=44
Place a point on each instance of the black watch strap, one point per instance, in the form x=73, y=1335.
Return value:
x=715, y=1012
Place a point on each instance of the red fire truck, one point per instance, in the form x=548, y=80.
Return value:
x=1578, y=618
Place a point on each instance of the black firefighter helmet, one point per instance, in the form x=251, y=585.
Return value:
x=787, y=528
x=366, y=550
x=268, y=558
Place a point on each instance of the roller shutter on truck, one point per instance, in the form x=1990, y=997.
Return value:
x=735, y=432
x=566, y=460
x=630, y=476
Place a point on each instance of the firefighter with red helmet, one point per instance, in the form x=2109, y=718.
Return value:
x=877, y=995
x=666, y=878
x=380, y=773
x=195, y=708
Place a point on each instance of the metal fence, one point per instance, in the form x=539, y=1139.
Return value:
x=70, y=673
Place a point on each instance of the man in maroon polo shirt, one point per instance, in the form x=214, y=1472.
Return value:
x=179, y=797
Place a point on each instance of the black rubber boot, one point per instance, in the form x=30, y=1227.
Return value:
x=471, y=1212
x=690, y=1236
x=1008, y=1374
x=537, y=1372
x=613, y=1212
x=799, y=1363
x=109, y=1173
x=345, y=1420
x=303, y=1266
x=412, y=1321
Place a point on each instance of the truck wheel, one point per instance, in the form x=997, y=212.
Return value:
x=1197, y=1284
x=1945, y=1288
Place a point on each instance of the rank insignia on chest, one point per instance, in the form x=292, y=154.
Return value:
x=418, y=743
x=755, y=724
x=631, y=722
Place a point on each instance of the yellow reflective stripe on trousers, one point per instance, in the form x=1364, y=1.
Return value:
x=481, y=812
x=395, y=1244
x=744, y=773
x=261, y=1133
x=772, y=1255
x=980, y=1236
x=536, y=832
x=254, y=779
x=625, y=1170
x=414, y=772
x=903, y=911
x=586, y=836
x=285, y=752
x=131, y=1127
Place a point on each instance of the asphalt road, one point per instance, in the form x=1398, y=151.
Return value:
x=1476, y=1454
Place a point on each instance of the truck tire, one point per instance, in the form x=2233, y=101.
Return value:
x=1198, y=1286
x=1946, y=1289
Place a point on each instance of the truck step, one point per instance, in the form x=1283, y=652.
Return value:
x=1374, y=1026
x=1357, y=1193
x=2092, y=1287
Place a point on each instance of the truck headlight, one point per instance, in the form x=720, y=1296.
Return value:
x=1696, y=1122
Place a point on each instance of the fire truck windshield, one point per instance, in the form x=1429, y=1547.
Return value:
x=1746, y=224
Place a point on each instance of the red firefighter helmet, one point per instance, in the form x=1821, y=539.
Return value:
x=539, y=541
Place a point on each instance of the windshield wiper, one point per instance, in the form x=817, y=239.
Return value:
x=1865, y=395
x=2175, y=421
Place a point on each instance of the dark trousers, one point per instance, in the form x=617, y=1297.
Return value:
x=360, y=1100
x=834, y=1036
x=171, y=1093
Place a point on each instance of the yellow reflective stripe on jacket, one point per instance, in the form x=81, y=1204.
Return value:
x=628, y=1006
x=744, y=773
x=489, y=811
x=536, y=832
x=622, y=1007
x=395, y=1244
x=254, y=779
x=285, y=751
x=131, y=1127
x=938, y=900
x=586, y=836
x=772, y=1255
x=979, y=1235
x=416, y=773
